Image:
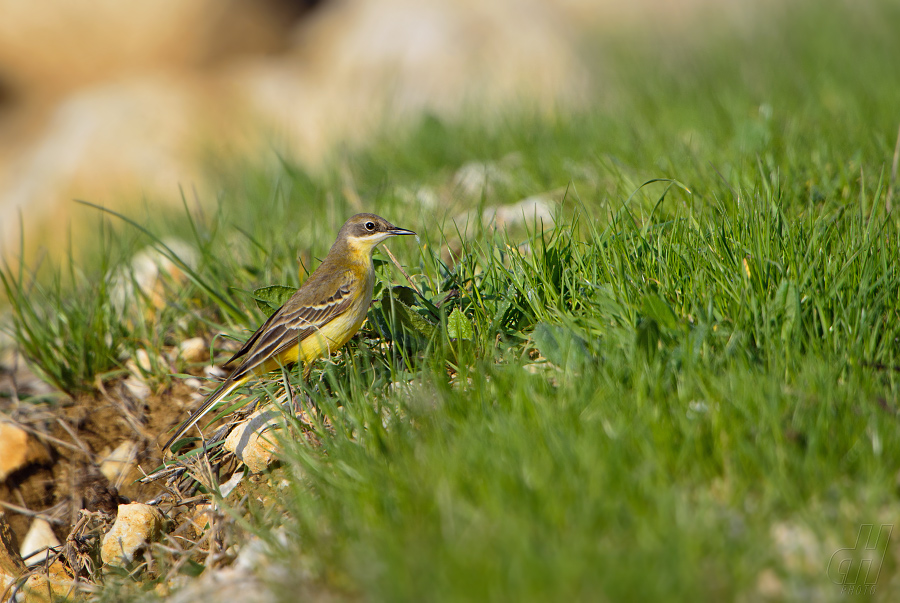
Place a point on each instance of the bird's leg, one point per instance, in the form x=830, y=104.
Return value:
x=313, y=407
x=294, y=404
x=291, y=405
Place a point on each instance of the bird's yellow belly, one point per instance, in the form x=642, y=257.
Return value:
x=326, y=340
x=331, y=337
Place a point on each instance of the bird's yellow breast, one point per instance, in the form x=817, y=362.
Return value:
x=333, y=335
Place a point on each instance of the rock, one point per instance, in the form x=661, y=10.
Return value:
x=136, y=526
x=56, y=585
x=141, y=366
x=40, y=536
x=13, y=449
x=253, y=441
x=225, y=584
x=474, y=179
x=142, y=359
x=193, y=349
x=11, y=565
x=201, y=517
x=532, y=210
x=536, y=212
x=241, y=580
x=6, y=581
x=146, y=274
x=137, y=387
x=798, y=547
x=229, y=486
x=255, y=553
x=214, y=372
x=99, y=123
x=18, y=449
x=120, y=461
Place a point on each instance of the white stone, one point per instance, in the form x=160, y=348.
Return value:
x=253, y=441
x=142, y=276
x=142, y=358
x=214, y=372
x=13, y=449
x=226, y=488
x=137, y=387
x=136, y=526
x=193, y=349
x=39, y=536
x=56, y=585
x=120, y=461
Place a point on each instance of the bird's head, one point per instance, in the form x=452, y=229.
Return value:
x=363, y=232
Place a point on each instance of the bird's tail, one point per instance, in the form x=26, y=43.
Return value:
x=214, y=398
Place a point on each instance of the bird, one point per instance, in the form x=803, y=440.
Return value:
x=320, y=317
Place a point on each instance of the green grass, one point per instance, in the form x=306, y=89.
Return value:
x=698, y=358
x=683, y=415
x=65, y=324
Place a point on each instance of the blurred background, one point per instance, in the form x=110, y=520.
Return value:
x=124, y=103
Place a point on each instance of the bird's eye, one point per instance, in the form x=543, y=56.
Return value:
x=370, y=226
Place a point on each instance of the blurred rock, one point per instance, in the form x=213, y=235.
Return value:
x=137, y=387
x=256, y=552
x=214, y=372
x=120, y=461
x=143, y=362
x=39, y=536
x=55, y=585
x=223, y=585
x=253, y=441
x=136, y=526
x=11, y=565
x=241, y=581
x=147, y=274
x=13, y=449
x=18, y=449
x=476, y=179
x=798, y=547
x=128, y=117
x=534, y=212
x=142, y=367
x=6, y=580
x=193, y=349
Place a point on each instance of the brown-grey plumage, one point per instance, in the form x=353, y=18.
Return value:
x=320, y=317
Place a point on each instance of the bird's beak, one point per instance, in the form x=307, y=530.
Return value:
x=400, y=231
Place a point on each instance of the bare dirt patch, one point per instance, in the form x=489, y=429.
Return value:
x=76, y=436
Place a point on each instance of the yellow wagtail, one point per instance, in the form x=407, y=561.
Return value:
x=319, y=318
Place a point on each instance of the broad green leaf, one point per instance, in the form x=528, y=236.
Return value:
x=656, y=308
x=458, y=326
x=271, y=298
x=406, y=295
x=400, y=317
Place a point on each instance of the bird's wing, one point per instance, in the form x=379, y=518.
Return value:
x=300, y=317
x=248, y=345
